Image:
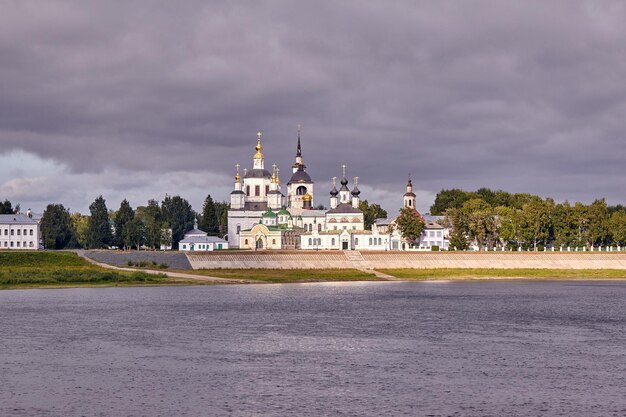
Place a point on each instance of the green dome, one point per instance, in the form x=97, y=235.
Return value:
x=268, y=213
x=284, y=212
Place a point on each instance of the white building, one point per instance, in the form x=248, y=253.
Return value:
x=19, y=231
x=261, y=217
x=197, y=240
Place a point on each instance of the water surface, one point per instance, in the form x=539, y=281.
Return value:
x=340, y=349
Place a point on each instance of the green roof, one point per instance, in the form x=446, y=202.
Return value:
x=269, y=213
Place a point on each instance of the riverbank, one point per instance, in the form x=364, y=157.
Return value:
x=47, y=269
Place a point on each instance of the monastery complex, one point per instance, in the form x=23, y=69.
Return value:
x=262, y=217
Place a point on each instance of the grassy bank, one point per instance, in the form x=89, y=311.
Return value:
x=66, y=269
x=288, y=275
x=485, y=273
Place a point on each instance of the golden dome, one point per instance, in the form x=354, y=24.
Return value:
x=307, y=197
x=259, y=147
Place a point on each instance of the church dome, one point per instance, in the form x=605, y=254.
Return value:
x=307, y=197
x=300, y=176
x=356, y=191
x=334, y=192
x=258, y=173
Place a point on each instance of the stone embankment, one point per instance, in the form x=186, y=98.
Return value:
x=173, y=260
x=397, y=260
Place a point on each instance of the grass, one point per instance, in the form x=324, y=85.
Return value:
x=47, y=269
x=486, y=273
x=288, y=275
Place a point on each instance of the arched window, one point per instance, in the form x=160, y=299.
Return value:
x=238, y=228
x=310, y=241
x=356, y=241
x=273, y=241
x=332, y=242
x=245, y=242
x=319, y=227
x=370, y=241
x=301, y=190
x=380, y=241
x=410, y=203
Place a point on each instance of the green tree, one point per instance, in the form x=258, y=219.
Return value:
x=6, y=207
x=536, y=216
x=99, y=234
x=509, y=224
x=371, y=213
x=617, y=227
x=458, y=228
x=80, y=229
x=134, y=233
x=598, y=223
x=446, y=199
x=177, y=212
x=580, y=221
x=209, y=220
x=223, y=221
x=152, y=220
x=481, y=222
x=411, y=224
x=56, y=227
x=123, y=217
x=563, y=228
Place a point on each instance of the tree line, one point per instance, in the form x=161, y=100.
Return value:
x=148, y=226
x=496, y=219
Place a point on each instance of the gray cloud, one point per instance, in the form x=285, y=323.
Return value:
x=526, y=96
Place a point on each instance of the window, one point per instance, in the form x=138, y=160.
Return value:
x=18, y=231
x=432, y=234
x=247, y=190
x=319, y=227
x=380, y=240
x=310, y=241
x=257, y=190
x=356, y=241
x=410, y=203
x=184, y=246
x=370, y=241
x=31, y=232
x=238, y=228
x=267, y=189
x=11, y=242
x=18, y=242
x=353, y=227
x=12, y=232
x=245, y=242
x=273, y=241
x=438, y=233
x=335, y=228
x=332, y=241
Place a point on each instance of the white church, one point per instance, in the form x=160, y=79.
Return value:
x=262, y=217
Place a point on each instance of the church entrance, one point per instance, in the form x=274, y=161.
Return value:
x=344, y=245
x=259, y=243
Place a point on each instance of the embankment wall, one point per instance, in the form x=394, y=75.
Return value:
x=395, y=260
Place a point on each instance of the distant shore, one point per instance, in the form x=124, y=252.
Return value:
x=50, y=269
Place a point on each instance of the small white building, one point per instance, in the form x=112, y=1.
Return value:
x=199, y=241
x=19, y=232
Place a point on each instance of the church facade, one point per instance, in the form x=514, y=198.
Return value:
x=262, y=217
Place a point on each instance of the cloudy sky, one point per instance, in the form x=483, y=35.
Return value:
x=143, y=98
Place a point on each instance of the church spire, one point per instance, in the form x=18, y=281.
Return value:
x=299, y=150
x=299, y=165
x=259, y=159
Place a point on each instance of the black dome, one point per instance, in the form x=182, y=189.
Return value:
x=300, y=176
x=334, y=192
x=258, y=173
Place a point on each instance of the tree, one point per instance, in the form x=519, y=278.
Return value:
x=580, y=221
x=56, y=227
x=446, y=199
x=371, y=213
x=509, y=225
x=536, y=216
x=123, y=217
x=598, y=223
x=209, y=220
x=617, y=227
x=99, y=234
x=6, y=207
x=563, y=227
x=410, y=223
x=80, y=229
x=177, y=212
x=458, y=228
x=481, y=223
x=152, y=220
x=134, y=233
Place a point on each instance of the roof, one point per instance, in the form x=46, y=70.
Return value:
x=284, y=211
x=203, y=239
x=313, y=213
x=382, y=222
x=16, y=219
x=258, y=173
x=195, y=232
x=344, y=208
x=269, y=213
x=237, y=192
x=300, y=176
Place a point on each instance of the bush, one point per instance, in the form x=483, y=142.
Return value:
x=434, y=248
x=163, y=266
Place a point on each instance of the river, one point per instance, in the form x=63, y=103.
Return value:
x=329, y=349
